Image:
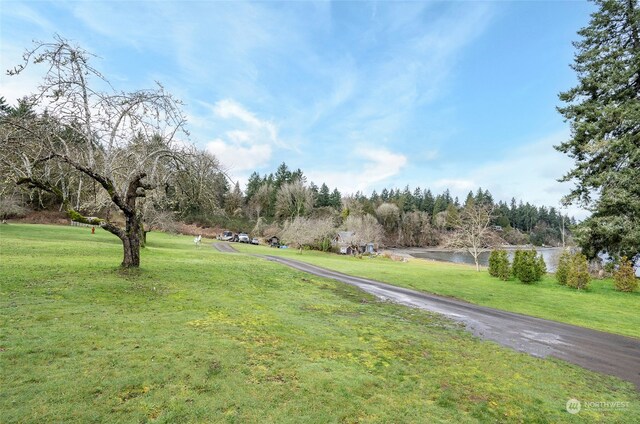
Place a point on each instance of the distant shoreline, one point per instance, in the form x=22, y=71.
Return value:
x=409, y=250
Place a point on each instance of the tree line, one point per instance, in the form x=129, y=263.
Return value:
x=408, y=217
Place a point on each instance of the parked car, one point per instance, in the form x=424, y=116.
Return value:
x=243, y=238
x=227, y=236
x=255, y=241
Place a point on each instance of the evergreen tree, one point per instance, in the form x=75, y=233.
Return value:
x=439, y=205
x=513, y=212
x=297, y=175
x=253, y=184
x=375, y=198
x=470, y=200
x=488, y=198
x=604, y=111
x=5, y=108
x=323, y=196
x=453, y=217
x=428, y=202
x=283, y=175
x=417, y=198
x=335, y=200
x=447, y=198
x=234, y=201
x=407, y=200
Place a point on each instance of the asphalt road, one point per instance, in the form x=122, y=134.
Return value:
x=595, y=350
x=224, y=247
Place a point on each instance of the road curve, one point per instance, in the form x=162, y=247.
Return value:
x=595, y=350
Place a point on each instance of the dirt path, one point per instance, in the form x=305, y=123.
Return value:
x=595, y=350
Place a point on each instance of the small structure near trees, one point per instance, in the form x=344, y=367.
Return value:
x=304, y=232
x=344, y=241
x=273, y=241
x=363, y=235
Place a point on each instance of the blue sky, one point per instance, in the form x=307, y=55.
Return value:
x=360, y=95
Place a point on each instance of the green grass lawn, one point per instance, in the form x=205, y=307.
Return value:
x=200, y=336
x=601, y=307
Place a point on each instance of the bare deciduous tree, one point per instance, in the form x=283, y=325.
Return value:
x=472, y=232
x=388, y=215
x=302, y=231
x=260, y=200
x=350, y=206
x=11, y=206
x=197, y=186
x=119, y=141
x=293, y=199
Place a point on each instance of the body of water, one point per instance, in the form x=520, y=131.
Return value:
x=550, y=255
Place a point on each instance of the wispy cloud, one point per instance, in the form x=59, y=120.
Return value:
x=245, y=142
x=369, y=167
x=528, y=172
x=28, y=15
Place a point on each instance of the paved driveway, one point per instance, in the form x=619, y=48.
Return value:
x=595, y=350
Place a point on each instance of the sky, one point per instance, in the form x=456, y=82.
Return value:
x=359, y=95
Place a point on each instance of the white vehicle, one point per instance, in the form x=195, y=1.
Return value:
x=243, y=238
x=227, y=236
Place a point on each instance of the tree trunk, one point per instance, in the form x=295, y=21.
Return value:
x=143, y=235
x=475, y=255
x=131, y=243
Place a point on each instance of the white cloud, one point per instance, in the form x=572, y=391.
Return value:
x=247, y=143
x=230, y=109
x=240, y=157
x=529, y=173
x=374, y=166
x=380, y=164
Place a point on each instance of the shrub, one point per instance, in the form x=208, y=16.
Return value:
x=517, y=262
x=541, y=266
x=578, y=275
x=564, y=263
x=625, y=278
x=499, y=265
x=528, y=267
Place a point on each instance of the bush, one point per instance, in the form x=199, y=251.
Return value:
x=625, y=278
x=541, y=266
x=11, y=207
x=517, y=262
x=578, y=275
x=528, y=267
x=499, y=265
x=564, y=263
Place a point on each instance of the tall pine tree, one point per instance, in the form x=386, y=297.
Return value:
x=604, y=113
